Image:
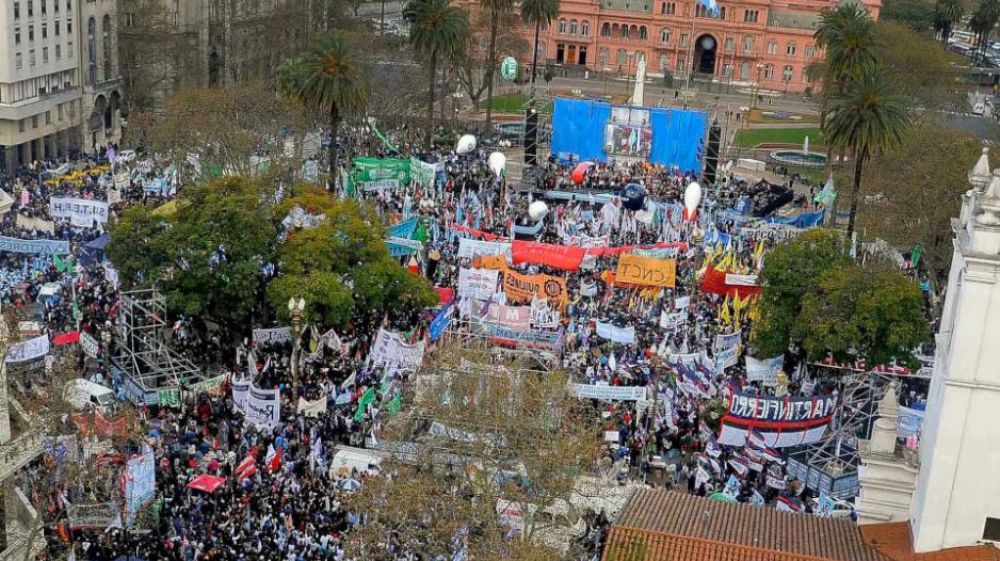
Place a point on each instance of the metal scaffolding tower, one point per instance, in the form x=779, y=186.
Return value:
x=139, y=349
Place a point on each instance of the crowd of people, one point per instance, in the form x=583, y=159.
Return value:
x=283, y=496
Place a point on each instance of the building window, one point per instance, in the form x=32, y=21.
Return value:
x=58, y=52
x=55, y=6
x=606, y=30
x=745, y=71
x=31, y=8
x=17, y=10
x=602, y=55
x=664, y=62
x=622, y=57
x=17, y=35
x=573, y=27
x=768, y=71
x=624, y=32
x=91, y=51
x=43, y=6
x=701, y=11
x=643, y=34
x=20, y=125
x=772, y=47
x=562, y=26
x=668, y=8
x=57, y=27
x=34, y=121
x=665, y=36
x=31, y=57
x=747, y=43
x=729, y=44
x=684, y=40
x=129, y=19
x=48, y=117
x=69, y=27
x=31, y=33
x=727, y=71
x=991, y=530
x=680, y=63
x=790, y=49
x=585, y=28
x=750, y=16
x=45, y=55
x=45, y=30
x=69, y=5
x=106, y=43
x=810, y=51
x=18, y=61
x=787, y=74
x=69, y=49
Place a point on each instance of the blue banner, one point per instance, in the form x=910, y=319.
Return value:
x=440, y=323
x=804, y=220
x=531, y=338
x=36, y=247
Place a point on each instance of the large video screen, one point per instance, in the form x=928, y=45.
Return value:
x=629, y=133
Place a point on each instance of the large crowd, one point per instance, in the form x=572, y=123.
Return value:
x=290, y=504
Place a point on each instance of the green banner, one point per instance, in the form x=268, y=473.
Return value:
x=422, y=173
x=379, y=174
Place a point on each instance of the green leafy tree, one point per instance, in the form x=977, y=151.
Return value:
x=982, y=22
x=946, y=14
x=868, y=118
x=436, y=29
x=848, y=35
x=341, y=266
x=789, y=272
x=851, y=312
x=915, y=14
x=329, y=78
x=919, y=67
x=538, y=12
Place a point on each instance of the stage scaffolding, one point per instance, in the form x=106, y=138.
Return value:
x=140, y=353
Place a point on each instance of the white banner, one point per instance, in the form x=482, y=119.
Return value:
x=39, y=224
x=517, y=317
x=608, y=393
x=623, y=335
x=470, y=248
x=312, y=408
x=741, y=280
x=390, y=351
x=682, y=302
x=729, y=341
x=260, y=407
x=88, y=344
x=477, y=283
x=79, y=211
x=673, y=321
x=28, y=350
x=272, y=335
x=764, y=371
x=726, y=358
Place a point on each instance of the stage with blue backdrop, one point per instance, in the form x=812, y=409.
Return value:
x=591, y=130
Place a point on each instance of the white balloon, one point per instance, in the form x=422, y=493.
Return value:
x=466, y=144
x=538, y=210
x=498, y=163
x=692, y=197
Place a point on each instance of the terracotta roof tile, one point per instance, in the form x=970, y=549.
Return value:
x=658, y=525
x=895, y=541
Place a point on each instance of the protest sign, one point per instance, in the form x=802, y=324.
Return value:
x=528, y=338
x=741, y=280
x=645, y=271
x=623, y=335
x=379, y=174
x=520, y=287
x=671, y=322
x=477, y=283
x=726, y=358
x=140, y=483
x=469, y=248
x=34, y=247
x=727, y=341
x=273, y=335
x=89, y=344
x=783, y=421
x=38, y=224
x=90, y=516
x=260, y=407
x=389, y=350
x=515, y=317
x=764, y=371
x=28, y=350
x=422, y=173
x=608, y=393
x=657, y=252
x=82, y=212
x=311, y=408
x=910, y=421
x=567, y=258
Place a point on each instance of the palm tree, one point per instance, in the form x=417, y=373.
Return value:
x=868, y=118
x=497, y=10
x=436, y=29
x=538, y=12
x=946, y=14
x=982, y=22
x=329, y=77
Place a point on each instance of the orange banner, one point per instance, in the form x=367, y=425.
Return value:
x=520, y=287
x=646, y=271
x=489, y=262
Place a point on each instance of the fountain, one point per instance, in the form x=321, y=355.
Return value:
x=801, y=158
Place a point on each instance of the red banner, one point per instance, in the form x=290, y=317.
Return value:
x=714, y=281
x=110, y=428
x=67, y=338
x=567, y=258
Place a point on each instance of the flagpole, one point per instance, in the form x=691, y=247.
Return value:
x=690, y=55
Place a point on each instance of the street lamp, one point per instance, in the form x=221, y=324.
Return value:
x=756, y=87
x=295, y=310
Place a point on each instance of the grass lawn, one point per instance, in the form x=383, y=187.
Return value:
x=515, y=103
x=748, y=138
x=758, y=116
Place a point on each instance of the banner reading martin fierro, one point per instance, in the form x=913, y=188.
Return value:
x=784, y=421
x=36, y=247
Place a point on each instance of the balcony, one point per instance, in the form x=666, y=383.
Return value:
x=39, y=104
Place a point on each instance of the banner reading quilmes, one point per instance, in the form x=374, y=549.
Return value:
x=379, y=174
x=35, y=247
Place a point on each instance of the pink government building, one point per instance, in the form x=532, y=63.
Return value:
x=762, y=43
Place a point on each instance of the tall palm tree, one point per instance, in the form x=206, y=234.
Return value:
x=538, y=12
x=946, y=14
x=497, y=10
x=982, y=22
x=868, y=118
x=330, y=78
x=436, y=29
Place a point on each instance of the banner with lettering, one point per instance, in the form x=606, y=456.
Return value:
x=389, y=350
x=470, y=248
x=421, y=172
x=504, y=335
x=38, y=224
x=34, y=247
x=28, y=350
x=89, y=344
x=81, y=212
x=784, y=421
x=646, y=271
x=515, y=317
x=260, y=407
x=380, y=174
x=727, y=341
x=764, y=371
x=479, y=284
x=274, y=335
x=608, y=393
x=611, y=332
x=520, y=287
x=563, y=257
x=90, y=516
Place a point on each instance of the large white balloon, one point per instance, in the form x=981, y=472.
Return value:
x=538, y=210
x=498, y=163
x=692, y=198
x=466, y=144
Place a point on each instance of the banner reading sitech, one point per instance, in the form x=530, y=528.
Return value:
x=79, y=211
x=35, y=247
x=646, y=271
x=260, y=407
x=784, y=421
